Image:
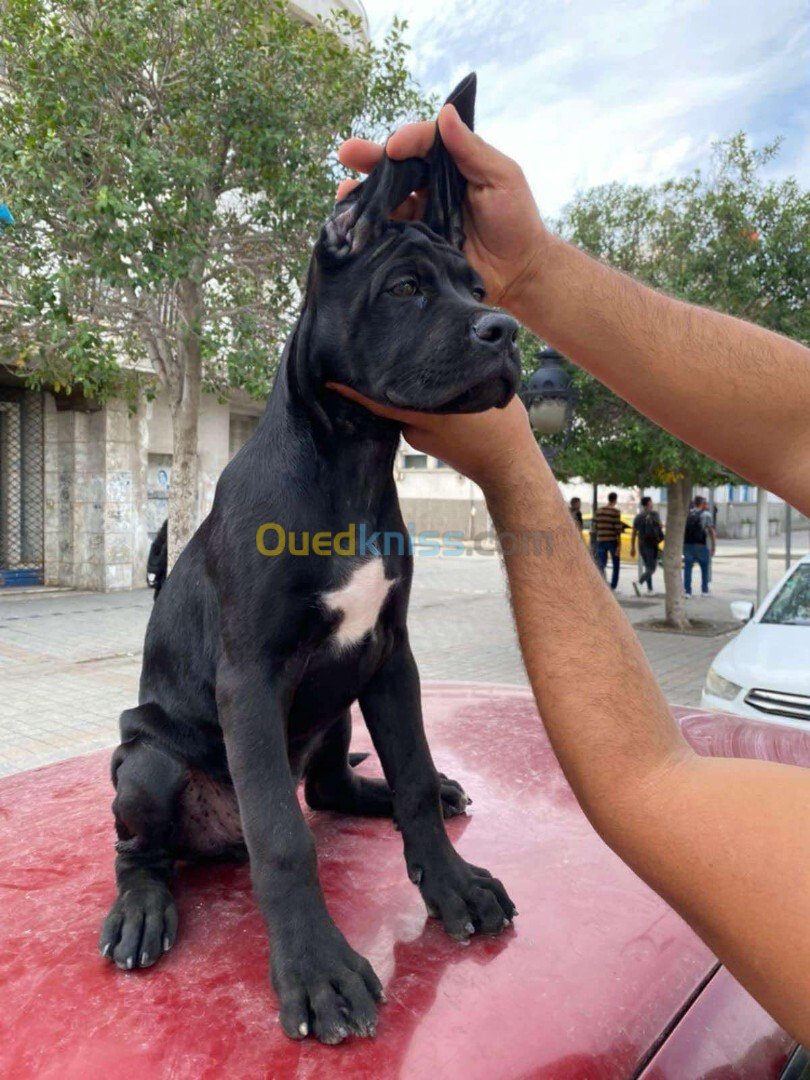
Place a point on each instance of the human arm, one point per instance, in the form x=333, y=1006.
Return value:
x=722, y=840
x=652, y=350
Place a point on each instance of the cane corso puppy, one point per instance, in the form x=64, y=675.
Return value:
x=254, y=654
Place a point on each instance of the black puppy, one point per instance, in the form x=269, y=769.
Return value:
x=252, y=660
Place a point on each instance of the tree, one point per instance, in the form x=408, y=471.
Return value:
x=730, y=239
x=168, y=163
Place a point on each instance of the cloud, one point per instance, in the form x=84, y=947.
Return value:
x=582, y=92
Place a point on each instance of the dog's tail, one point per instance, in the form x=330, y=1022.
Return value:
x=355, y=759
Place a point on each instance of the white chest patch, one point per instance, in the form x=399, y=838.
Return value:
x=360, y=601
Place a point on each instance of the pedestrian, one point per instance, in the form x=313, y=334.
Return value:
x=718, y=837
x=157, y=563
x=699, y=545
x=609, y=529
x=648, y=530
x=575, y=506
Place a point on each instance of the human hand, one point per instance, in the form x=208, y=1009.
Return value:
x=489, y=447
x=506, y=237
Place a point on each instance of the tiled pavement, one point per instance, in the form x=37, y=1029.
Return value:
x=69, y=662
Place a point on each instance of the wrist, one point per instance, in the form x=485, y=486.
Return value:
x=525, y=293
x=519, y=488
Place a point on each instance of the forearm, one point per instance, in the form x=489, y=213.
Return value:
x=723, y=841
x=735, y=391
x=609, y=725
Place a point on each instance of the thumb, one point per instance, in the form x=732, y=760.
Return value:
x=479, y=162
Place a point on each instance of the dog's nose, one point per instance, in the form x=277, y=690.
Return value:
x=494, y=328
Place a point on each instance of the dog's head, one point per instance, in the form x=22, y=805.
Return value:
x=393, y=308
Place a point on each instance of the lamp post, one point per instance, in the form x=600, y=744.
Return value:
x=549, y=400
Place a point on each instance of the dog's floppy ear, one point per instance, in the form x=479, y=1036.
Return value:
x=358, y=219
x=446, y=185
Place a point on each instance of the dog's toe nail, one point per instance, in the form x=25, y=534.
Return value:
x=130, y=963
x=505, y=923
x=106, y=950
x=166, y=944
x=470, y=929
x=303, y=1028
x=145, y=959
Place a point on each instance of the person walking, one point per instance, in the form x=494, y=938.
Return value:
x=575, y=506
x=699, y=545
x=647, y=529
x=609, y=529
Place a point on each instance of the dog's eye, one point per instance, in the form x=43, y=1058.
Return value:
x=405, y=288
x=479, y=293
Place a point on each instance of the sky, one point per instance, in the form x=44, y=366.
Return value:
x=583, y=92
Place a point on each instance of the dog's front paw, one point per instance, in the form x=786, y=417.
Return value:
x=455, y=799
x=468, y=899
x=325, y=988
x=141, y=926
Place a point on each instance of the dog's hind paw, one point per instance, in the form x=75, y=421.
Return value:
x=455, y=799
x=141, y=926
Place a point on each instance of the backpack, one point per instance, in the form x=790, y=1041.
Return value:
x=694, y=533
x=650, y=531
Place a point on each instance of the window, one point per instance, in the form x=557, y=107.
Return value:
x=792, y=604
x=414, y=461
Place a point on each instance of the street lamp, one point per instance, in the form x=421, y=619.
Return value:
x=549, y=399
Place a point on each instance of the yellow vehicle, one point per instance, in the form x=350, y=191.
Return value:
x=624, y=544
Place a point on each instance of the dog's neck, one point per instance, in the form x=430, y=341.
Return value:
x=356, y=447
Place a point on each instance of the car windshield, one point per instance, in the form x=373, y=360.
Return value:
x=792, y=604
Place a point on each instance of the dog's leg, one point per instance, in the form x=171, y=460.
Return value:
x=465, y=897
x=142, y=923
x=332, y=784
x=323, y=985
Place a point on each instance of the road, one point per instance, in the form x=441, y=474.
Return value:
x=69, y=662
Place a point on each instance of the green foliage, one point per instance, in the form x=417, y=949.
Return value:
x=156, y=150
x=730, y=239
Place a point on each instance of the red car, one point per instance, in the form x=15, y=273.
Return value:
x=599, y=979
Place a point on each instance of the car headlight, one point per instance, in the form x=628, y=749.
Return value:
x=717, y=686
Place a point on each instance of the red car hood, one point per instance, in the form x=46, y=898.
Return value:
x=595, y=973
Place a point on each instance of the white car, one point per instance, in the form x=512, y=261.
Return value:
x=765, y=671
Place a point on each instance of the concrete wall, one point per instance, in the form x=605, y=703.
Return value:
x=95, y=497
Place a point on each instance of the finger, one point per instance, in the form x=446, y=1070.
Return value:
x=402, y=415
x=413, y=207
x=411, y=140
x=344, y=187
x=359, y=154
x=477, y=160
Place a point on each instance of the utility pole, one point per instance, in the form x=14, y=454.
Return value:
x=762, y=545
x=788, y=533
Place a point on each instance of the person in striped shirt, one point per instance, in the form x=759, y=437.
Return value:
x=609, y=529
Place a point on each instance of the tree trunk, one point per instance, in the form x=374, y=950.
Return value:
x=678, y=495
x=185, y=410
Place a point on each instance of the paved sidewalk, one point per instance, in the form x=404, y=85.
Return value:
x=69, y=662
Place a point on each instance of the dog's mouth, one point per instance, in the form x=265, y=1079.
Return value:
x=487, y=394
